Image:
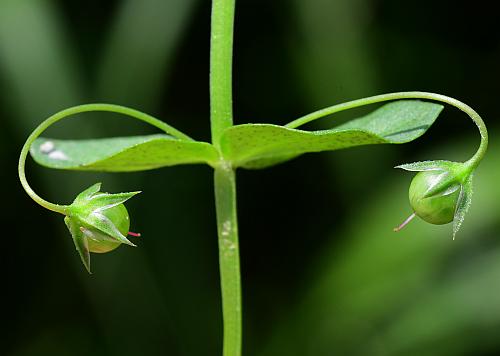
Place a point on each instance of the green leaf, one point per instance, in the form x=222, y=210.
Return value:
x=261, y=145
x=121, y=154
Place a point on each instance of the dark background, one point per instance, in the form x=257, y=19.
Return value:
x=323, y=273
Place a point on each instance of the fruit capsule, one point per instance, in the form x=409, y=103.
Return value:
x=98, y=222
x=436, y=206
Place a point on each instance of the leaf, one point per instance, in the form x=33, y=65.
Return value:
x=261, y=145
x=121, y=154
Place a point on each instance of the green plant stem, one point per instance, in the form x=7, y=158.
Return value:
x=221, y=61
x=221, y=118
x=77, y=110
x=472, y=162
x=229, y=260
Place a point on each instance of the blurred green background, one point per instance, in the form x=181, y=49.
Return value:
x=323, y=272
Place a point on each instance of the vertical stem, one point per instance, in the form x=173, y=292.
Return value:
x=229, y=260
x=221, y=62
x=221, y=117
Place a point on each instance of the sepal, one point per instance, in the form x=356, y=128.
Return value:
x=103, y=224
x=103, y=201
x=463, y=205
x=80, y=241
x=429, y=166
x=87, y=193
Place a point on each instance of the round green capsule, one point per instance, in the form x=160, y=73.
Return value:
x=437, y=208
x=101, y=243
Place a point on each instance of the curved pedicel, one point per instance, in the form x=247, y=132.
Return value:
x=441, y=192
x=98, y=222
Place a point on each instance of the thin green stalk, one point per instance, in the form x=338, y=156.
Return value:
x=77, y=110
x=221, y=117
x=229, y=260
x=22, y=173
x=472, y=163
x=221, y=62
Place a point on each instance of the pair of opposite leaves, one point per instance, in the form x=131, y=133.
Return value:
x=99, y=222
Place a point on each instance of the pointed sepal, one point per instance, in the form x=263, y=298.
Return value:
x=442, y=183
x=98, y=220
x=463, y=204
x=103, y=201
x=428, y=166
x=89, y=192
x=80, y=241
